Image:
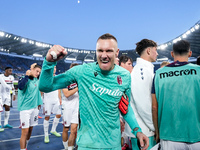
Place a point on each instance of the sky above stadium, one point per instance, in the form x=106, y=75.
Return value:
x=78, y=23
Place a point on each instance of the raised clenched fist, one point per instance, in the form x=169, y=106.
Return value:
x=56, y=53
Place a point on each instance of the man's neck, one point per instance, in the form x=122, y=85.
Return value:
x=181, y=58
x=145, y=58
x=6, y=75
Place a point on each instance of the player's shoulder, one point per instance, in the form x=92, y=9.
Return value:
x=161, y=69
x=121, y=70
x=83, y=66
x=193, y=65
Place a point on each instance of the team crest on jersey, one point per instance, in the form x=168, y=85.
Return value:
x=119, y=80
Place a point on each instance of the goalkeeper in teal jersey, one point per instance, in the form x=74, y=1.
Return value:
x=101, y=86
x=176, y=101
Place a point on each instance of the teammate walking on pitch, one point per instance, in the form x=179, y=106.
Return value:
x=70, y=107
x=51, y=105
x=29, y=101
x=101, y=86
x=3, y=87
x=5, y=94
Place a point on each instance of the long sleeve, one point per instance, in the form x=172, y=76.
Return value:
x=48, y=82
x=22, y=82
x=13, y=88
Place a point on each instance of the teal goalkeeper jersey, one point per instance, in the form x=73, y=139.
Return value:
x=99, y=95
x=177, y=91
x=30, y=96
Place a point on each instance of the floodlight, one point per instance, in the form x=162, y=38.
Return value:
x=24, y=40
x=197, y=26
x=2, y=33
x=188, y=32
x=38, y=44
x=163, y=46
x=184, y=35
x=174, y=41
x=31, y=42
x=192, y=29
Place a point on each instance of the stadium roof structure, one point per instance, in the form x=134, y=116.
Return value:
x=11, y=43
x=192, y=35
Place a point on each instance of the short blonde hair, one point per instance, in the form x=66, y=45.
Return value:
x=164, y=63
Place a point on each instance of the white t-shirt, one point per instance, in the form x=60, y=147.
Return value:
x=5, y=90
x=141, y=101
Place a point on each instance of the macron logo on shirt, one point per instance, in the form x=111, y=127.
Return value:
x=178, y=73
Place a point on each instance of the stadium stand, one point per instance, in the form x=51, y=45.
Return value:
x=19, y=52
x=20, y=65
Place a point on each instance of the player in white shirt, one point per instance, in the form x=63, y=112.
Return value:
x=51, y=105
x=6, y=87
x=70, y=106
x=141, y=83
x=5, y=94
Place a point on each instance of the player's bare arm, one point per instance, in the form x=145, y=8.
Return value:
x=155, y=116
x=68, y=93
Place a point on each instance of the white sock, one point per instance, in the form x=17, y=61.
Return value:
x=55, y=124
x=46, y=127
x=6, y=117
x=27, y=143
x=70, y=147
x=65, y=144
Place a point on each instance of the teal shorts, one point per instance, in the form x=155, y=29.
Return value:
x=134, y=142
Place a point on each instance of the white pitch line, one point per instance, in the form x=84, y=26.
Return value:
x=31, y=137
x=34, y=126
x=51, y=117
x=11, y=114
x=2, y=114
